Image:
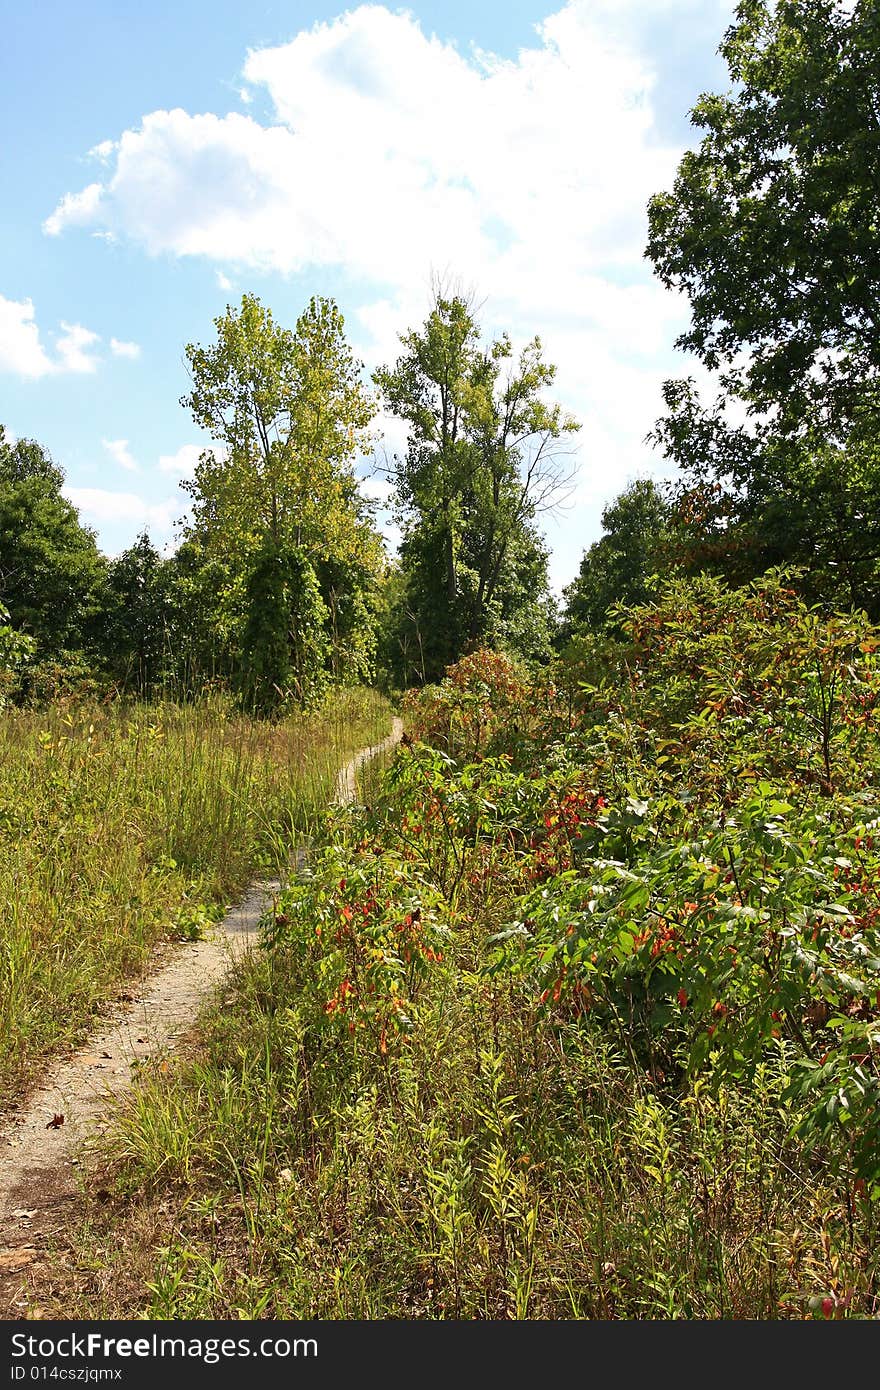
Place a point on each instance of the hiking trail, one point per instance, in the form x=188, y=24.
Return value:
x=40, y=1157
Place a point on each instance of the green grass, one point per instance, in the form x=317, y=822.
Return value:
x=122, y=827
x=495, y=1164
x=469, y=1077
x=485, y=1172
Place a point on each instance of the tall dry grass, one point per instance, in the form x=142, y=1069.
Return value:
x=125, y=826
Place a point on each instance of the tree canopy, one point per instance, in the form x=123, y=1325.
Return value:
x=772, y=228
x=50, y=565
x=289, y=413
x=615, y=569
x=483, y=459
x=276, y=506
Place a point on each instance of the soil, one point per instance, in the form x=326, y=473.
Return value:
x=44, y=1143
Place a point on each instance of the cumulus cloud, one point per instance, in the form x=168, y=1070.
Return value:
x=77, y=209
x=391, y=154
x=104, y=507
x=22, y=350
x=392, y=151
x=120, y=453
x=181, y=464
x=74, y=348
x=123, y=349
x=223, y=281
x=103, y=150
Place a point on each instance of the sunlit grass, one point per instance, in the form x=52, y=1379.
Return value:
x=124, y=826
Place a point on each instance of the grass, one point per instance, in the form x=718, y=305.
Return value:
x=123, y=827
x=578, y=1018
x=491, y=1163
x=485, y=1172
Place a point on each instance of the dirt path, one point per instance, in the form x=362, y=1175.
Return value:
x=39, y=1158
x=346, y=782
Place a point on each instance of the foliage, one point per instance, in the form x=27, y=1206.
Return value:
x=284, y=640
x=770, y=228
x=475, y=702
x=289, y=414
x=15, y=652
x=135, y=628
x=482, y=460
x=590, y=990
x=350, y=590
x=50, y=566
x=741, y=506
x=771, y=232
x=616, y=568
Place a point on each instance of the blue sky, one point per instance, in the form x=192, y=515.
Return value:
x=159, y=159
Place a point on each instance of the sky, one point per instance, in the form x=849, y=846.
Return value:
x=158, y=160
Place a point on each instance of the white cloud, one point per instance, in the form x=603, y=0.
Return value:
x=77, y=209
x=123, y=349
x=183, y=463
x=120, y=453
x=22, y=351
x=102, y=151
x=377, y=488
x=74, y=348
x=392, y=154
x=103, y=507
x=20, y=348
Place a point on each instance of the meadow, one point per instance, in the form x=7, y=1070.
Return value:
x=124, y=827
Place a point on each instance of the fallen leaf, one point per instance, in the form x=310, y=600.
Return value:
x=56, y=1122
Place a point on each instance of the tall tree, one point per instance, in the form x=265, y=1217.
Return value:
x=289, y=413
x=483, y=459
x=772, y=228
x=50, y=565
x=616, y=568
x=136, y=632
x=285, y=638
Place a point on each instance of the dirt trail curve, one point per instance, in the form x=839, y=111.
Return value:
x=39, y=1162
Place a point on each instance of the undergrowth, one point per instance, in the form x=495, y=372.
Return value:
x=578, y=1019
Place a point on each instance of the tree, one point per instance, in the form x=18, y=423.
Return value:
x=616, y=568
x=135, y=621
x=772, y=228
x=285, y=640
x=815, y=510
x=289, y=413
x=50, y=565
x=483, y=459
x=16, y=651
